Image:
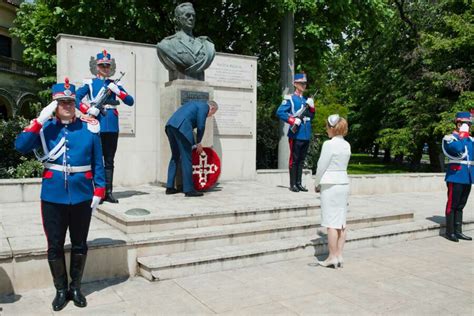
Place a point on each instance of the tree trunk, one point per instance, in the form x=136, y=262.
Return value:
x=417, y=155
x=375, y=153
x=386, y=156
x=436, y=158
x=287, y=70
x=398, y=159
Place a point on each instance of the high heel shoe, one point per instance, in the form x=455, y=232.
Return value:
x=340, y=262
x=327, y=263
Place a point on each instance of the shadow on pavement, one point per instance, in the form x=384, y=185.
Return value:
x=96, y=286
x=439, y=220
x=127, y=194
x=6, y=286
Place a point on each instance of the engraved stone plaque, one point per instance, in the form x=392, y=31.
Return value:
x=235, y=114
x=231, y=72
x=193, y=95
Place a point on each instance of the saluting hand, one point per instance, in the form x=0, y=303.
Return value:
x=47, y=112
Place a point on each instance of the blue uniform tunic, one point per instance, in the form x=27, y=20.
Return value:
x=289, y=109
x=461, y=170
x=83, y=148
x=109, y=123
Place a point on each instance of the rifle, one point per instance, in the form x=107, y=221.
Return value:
x=104, y=95
x=294, y=127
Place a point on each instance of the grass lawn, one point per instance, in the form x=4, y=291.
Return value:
x=365, y=164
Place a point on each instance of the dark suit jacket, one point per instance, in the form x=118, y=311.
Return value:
x=189, y=116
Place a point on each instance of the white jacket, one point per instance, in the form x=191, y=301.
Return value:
x=333, y=161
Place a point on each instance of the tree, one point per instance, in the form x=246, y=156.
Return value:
x=405, y=78
x=240, y=26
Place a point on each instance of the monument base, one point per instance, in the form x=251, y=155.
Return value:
x=172, y=96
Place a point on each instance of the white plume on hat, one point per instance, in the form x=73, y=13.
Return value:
x=333, y=119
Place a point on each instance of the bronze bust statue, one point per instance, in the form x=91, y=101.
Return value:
x=186, y=56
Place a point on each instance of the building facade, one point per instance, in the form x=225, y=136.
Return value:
x=18, y=83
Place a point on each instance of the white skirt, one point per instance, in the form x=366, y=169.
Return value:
x=334, y=199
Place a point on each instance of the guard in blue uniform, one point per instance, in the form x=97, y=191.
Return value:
x=297, y=111
x=73, y=185
x=459, y=148
x=179, y=129
x=104, y=67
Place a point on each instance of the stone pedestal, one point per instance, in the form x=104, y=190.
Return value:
x=172, y=96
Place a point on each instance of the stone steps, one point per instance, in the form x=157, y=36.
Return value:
x=247, y=244
x=204, y=218
x=191, y=239
x=176, y=265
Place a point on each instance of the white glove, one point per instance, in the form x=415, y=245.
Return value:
x=464, y=131
x=46, y=113
x=114, y=88
x=297, y=121
x=95, y=203
x=310, y=102
x=464, y=128
x=93, y=111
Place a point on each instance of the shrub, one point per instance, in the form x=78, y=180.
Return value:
x=12, y=163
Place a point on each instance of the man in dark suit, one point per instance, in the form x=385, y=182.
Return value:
x=179, y=129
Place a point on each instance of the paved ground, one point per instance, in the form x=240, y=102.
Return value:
x=422, y=277
x=21, y=229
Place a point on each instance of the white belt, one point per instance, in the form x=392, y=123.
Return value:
x=462, y=162
x=110, y=107
x=68, y=169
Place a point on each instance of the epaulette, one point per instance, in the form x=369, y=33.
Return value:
x=205, y=38
x=287, y=97
x=92, y=123
x=449, y=138
x=87, y=81
x=171, y=36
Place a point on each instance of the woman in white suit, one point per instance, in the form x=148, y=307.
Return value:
x=333, y=183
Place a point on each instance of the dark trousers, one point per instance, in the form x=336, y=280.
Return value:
x=181, y=150
x=298, y=151
x=57, y=218
x=458, y=194
x=109, y=147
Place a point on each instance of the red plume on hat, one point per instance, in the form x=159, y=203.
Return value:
x=66, y=83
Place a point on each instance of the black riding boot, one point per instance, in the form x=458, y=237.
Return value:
x=299, y=175
x=450, y=227
x=109, y=179
x=458, y=226
x=293, y=186
x=58, y=271
x=78, y=263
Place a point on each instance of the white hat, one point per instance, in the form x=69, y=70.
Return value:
x=333, y=119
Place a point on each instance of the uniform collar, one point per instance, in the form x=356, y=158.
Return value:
x=62, y=122
x=299, y=94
